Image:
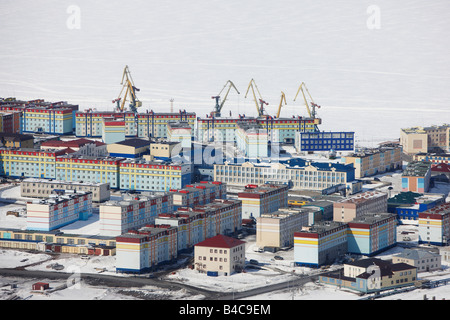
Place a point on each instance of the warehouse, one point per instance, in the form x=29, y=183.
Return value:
x=129, y=148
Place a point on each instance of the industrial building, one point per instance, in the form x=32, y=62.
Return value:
x=360, y=204
x=132, y=212
x=369, y=162
x=424, y=261
x=416, y=177
x=372, y=233
x=58, y=210
x=434, y=225
x=265, y=198
x=129, y=148
x=219, y=255
x=42, y=188
x=84, y=147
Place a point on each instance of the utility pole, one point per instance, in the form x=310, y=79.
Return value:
x=171, y=105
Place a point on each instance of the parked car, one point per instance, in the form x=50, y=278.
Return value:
x=278, y=258
x=253, y=261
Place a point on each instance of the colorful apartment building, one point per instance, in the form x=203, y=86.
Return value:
x=180, y=132
x=371, y=275
x=369, y=162
x=324, y=141
x=129, y=148
x=219, y=255
x=279, y=130
x=434, y=158
x=29, y=162
x=262, y=199
x=58, y=210
x=203, y=222
x=42, y=188
x=16, y=140
x=144, y=125
x=88, y=169
x=118, y=217
x=304, y=175
x=198, y=194
x=360, y=204
x=320, y=244
x=434, y=225
x=57, y=241
x=416, y=177
x=252, y=140
x=142, y=250
x=425, y=139
x=142, y=175
x=10, y=121
x=276, y=230
x=371, y=234
x=113, y=130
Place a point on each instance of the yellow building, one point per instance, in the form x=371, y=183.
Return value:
x=219, y=255
x=425, y=139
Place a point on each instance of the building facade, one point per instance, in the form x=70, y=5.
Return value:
x=303, y=175
x=118, y=217
x=42, y=188
x=434, y=225
x=416, y=177
x=324, y=141
x=142, y=250
x=320, y=244
x=252, y=140
x=424, y=261
x=276, y=230
x=266, y=198
x=198, y=194
x=374, y=161
x=425, y=139
x=58, y=211
x=219, y=255
x=371, y=275
x=371, y=234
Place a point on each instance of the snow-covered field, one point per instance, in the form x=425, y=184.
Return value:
x=370, y=80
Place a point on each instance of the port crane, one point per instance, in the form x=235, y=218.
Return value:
x=130, y=93
x=260, y=109
x=312, y=114
x=218, y=107
x=283, y=98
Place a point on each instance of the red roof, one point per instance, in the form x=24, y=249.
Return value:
x=441, y=167
x=69, y=144
x=220, y=241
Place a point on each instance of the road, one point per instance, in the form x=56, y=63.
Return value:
x=139, y=281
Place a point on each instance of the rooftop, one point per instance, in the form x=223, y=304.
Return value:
x=134, y=142
x=220, y=241
x=417, y=169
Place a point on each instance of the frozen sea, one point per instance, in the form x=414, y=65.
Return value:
x=373, y=66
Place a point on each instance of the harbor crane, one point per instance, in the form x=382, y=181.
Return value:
x=283, y=98
x=260, y=109
x=218, y=107
x=311, y=113
x=130, y=93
